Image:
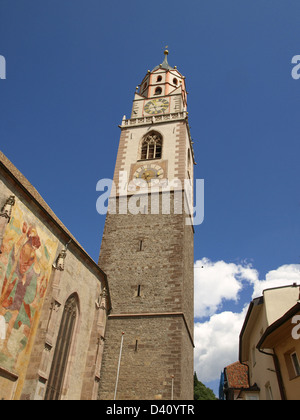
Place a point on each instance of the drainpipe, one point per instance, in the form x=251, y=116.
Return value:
x=278, y=373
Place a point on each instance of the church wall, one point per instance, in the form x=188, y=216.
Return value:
x=76, y=278
x=31, y=244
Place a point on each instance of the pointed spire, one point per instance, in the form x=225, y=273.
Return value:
x=165, y=65
x=165, y=62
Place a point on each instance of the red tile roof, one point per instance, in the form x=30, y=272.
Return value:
x=237, y=376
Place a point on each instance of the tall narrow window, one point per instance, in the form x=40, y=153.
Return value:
x=296, y=364
x=152, y=146
x=62, y=349
x=189, y=159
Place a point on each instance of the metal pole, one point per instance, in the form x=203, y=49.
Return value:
x=118, y=372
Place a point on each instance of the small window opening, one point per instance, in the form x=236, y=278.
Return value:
x=139, y=291
x=140, y=245
x=189, y=158
x=136, y=345
x=175, y=81
x=158, y=91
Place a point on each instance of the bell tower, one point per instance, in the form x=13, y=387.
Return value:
x=147, y=248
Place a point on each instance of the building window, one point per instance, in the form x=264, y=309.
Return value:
x=62, y=349
x=158, y=91
x=159, y=79
x=295, y=362
x=292, y=363
x=175, y=81
x=189, y=159
x=152, y=146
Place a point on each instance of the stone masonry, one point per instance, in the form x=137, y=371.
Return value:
x=149, y=263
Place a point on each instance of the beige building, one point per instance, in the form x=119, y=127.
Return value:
x=283, y=339
x=54, y=301
x=269, y=344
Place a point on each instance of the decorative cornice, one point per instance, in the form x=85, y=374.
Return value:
x=155, y=119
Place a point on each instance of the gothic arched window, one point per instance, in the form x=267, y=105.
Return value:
x=152, y=146
x=62, y=349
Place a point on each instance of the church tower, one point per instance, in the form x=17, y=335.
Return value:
x=147, y=249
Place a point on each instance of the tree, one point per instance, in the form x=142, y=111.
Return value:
x=201, y=392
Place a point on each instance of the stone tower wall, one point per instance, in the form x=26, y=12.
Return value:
x=151, y=286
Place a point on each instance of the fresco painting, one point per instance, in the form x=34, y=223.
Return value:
x=27, y=254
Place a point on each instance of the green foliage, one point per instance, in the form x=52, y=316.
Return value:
x=201, y=392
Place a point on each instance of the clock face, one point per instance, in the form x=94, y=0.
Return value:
x=156, y=106
x=152, y=173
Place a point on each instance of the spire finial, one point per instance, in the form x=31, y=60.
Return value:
x=165, y=63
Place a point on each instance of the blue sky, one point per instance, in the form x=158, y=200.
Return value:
x=72, y=69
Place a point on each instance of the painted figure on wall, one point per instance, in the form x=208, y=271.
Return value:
x=20, y=284
x=25, y=268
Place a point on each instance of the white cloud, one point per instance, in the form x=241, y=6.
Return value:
x=217, y=339
x=217, y=344
x=219, y=281
x=283, y=276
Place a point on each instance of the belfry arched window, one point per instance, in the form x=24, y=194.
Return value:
x=62, y=349
x=152, y=146
x=158, y=91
